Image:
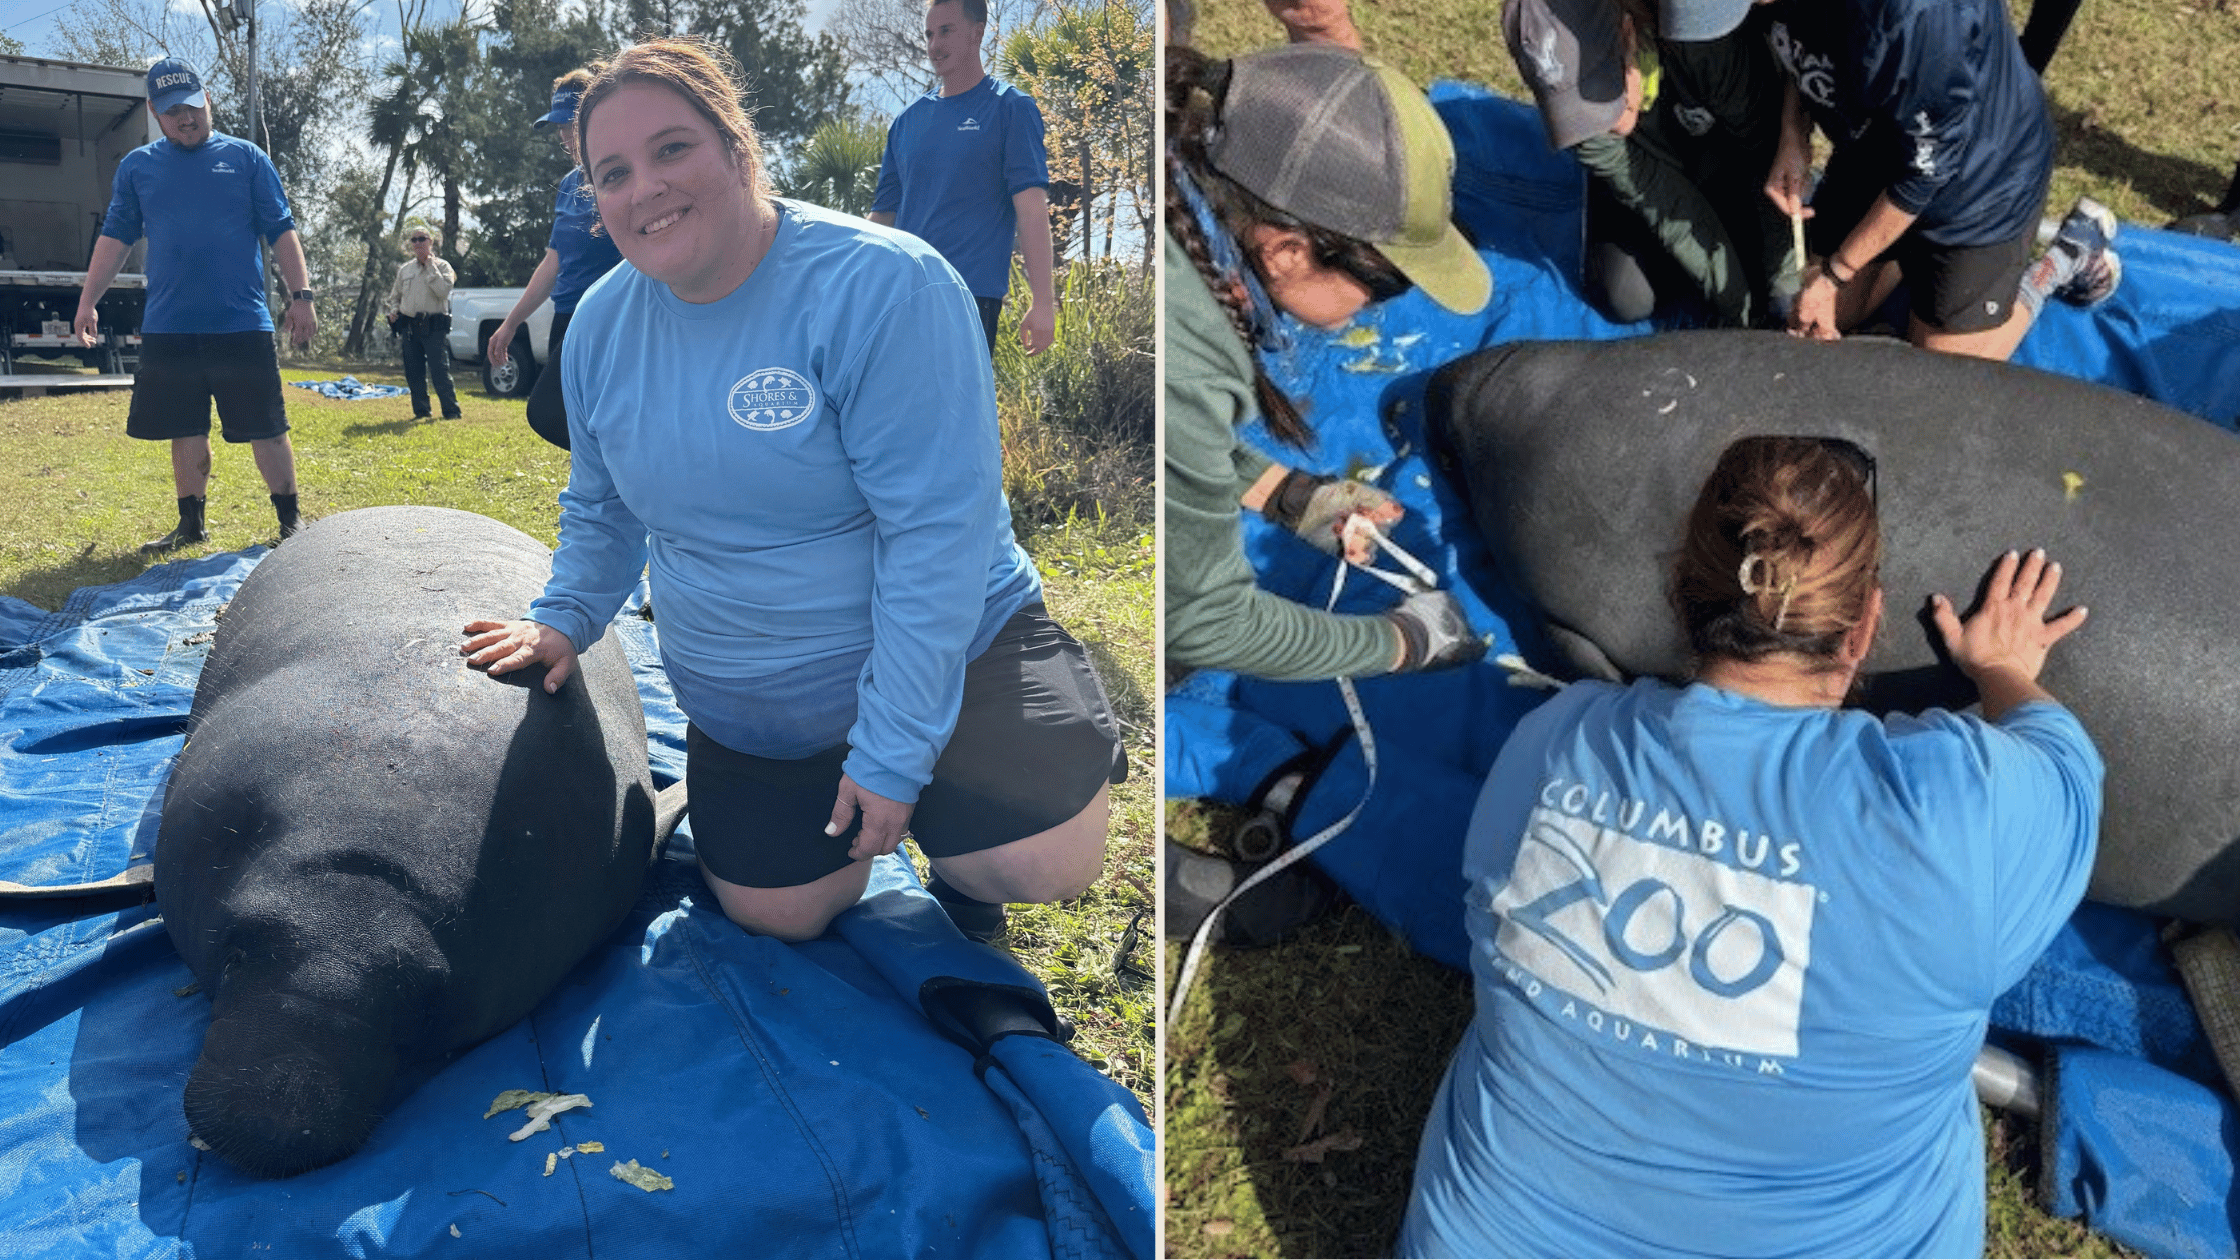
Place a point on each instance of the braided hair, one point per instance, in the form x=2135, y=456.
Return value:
x=1196, y=87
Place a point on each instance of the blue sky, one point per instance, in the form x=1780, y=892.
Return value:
x=32, y=21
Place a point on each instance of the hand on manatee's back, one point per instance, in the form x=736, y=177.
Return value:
x=504, y=646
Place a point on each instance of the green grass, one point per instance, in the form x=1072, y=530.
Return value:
x=2146, y=123
x=2144, y=115
x=77, y=497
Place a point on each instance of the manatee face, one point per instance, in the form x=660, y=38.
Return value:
x=1581, y=460
x=372, y=853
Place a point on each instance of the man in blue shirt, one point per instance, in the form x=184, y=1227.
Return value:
x=203, y=199
x=574, y=257
x=965, y=172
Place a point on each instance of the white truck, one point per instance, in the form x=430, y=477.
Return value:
x=64, y=127
x=475, y=314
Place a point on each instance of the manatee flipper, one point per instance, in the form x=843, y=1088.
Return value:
x=1587, y=658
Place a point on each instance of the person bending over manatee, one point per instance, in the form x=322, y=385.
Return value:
x=1735, y=946
x=1942, y=152
x=1677, y=124
x=1286, y=199
x=790, y=410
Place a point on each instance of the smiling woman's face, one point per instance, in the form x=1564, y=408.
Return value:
x=670, y=194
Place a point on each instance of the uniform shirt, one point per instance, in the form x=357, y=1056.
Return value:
x=1936, y=94
x=1733, y=963
x=951, y=167
x=202, y=210
x=1216, y=614
x=815, y=459
x=422, y=288
x=584, y=256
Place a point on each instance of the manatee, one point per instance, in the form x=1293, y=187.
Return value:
x=1581, y=460
x=372, y=854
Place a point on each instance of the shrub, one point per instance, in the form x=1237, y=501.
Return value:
x=1078, y=436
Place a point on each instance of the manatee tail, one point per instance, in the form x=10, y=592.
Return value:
x=668, y=811
x=286, y=1085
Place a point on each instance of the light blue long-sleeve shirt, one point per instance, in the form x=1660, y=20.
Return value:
x=812, y=463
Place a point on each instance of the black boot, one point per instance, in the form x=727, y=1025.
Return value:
x=983, y=921
x=1196, y=883
x=284, y=505
x=188, y=532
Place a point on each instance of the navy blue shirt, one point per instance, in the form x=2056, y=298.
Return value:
x=952, y=165
x=202, y=210
x=584, y=257
x=1935, y=93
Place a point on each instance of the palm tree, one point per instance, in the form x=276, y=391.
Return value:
x=408, y=119
x=839, y=167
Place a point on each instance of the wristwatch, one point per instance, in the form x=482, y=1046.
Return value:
x=304, y=295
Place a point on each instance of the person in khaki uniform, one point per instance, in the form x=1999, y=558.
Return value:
x=420, y=314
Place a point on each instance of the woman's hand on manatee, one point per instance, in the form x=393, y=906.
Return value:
x=2008, y=632
x=505, y=646
x=884, y=819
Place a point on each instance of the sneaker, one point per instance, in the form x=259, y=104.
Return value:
x=2097, y=277
x=983, y=921
x=181, y=535
x=452, y=415
x=2087, y=235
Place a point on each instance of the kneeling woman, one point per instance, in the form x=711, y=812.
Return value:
x=792, y=410
x=1735, y=945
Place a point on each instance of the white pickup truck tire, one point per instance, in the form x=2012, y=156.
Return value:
x=519, y=374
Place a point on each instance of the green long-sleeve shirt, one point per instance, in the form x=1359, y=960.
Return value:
x=1216, y=614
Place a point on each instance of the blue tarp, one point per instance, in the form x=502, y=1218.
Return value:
x=350, y=389
x=797, y=1095
x=2171, y=333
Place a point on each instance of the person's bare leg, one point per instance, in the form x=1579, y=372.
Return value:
x=276, y=462
x=190, y=466
x=800, y=913
x=1051, y=865
x=1992, y=343
x=1866, y=293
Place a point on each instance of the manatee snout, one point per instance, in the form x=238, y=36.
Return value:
x=286, y=1086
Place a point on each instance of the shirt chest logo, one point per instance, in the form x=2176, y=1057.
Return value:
x=772, y=398
x=222, y=167
x=969, y=124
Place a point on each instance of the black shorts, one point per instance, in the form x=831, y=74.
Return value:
x=1034, y=741
x=181, y=372
x=1951, y=288
x=991, y=310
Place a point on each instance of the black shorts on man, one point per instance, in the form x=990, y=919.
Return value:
x=1035, y=739
x=181, y=373
x=991, y=310
x=1951, y=288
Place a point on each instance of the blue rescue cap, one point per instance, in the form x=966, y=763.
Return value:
x=563, y=109
x=172, y=82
